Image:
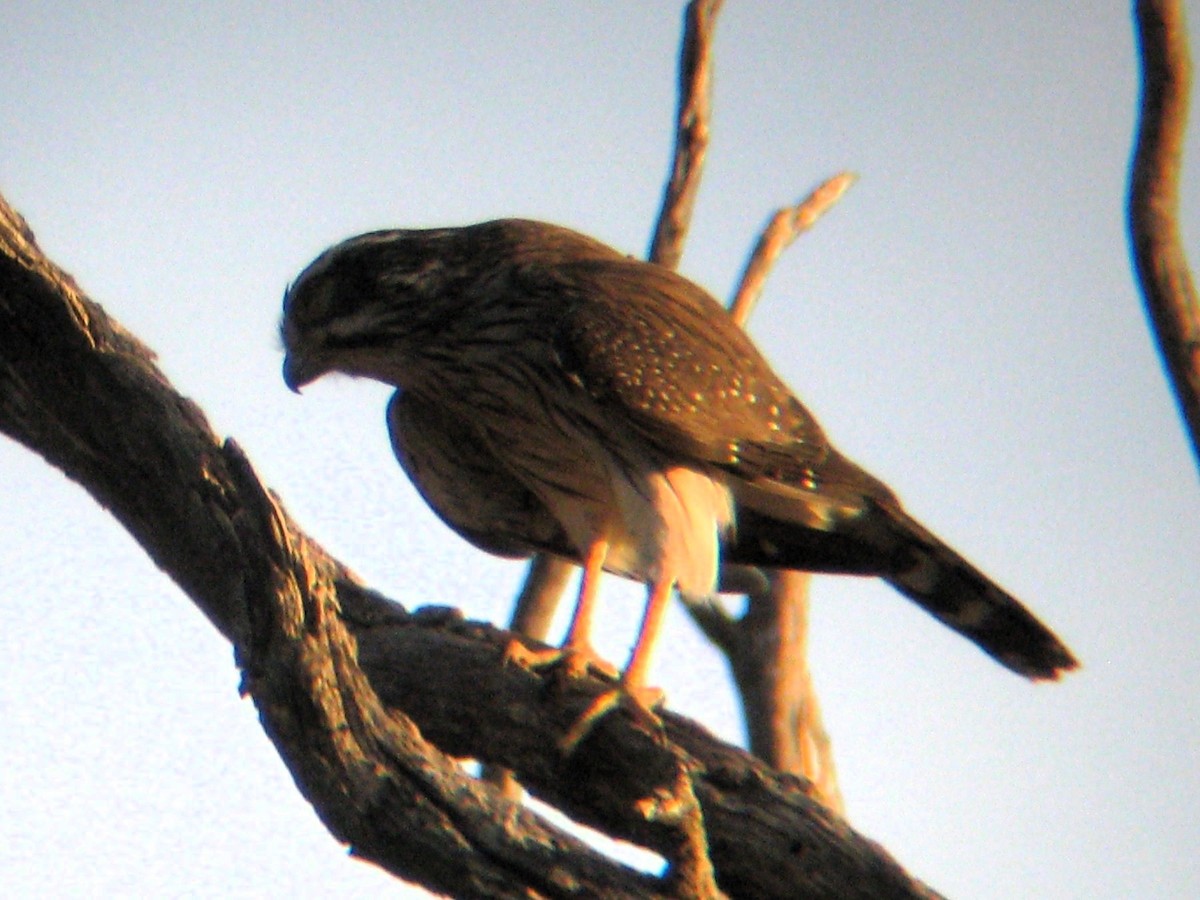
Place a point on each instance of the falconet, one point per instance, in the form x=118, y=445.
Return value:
x=558, y=396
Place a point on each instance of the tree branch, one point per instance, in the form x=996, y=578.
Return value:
x=533, y=612
x=785, y=226
x=80, y=390
x=352, y=689
x=767, y=648
x=691, y=133
x=1159, y=259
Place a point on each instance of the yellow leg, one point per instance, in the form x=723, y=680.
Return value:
x=577, y=655
x=633, y=679
x=579, y=635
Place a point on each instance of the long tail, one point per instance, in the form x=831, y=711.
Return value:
x=944, y=584
x=892, y=545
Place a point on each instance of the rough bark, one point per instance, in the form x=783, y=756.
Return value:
x=370, y=706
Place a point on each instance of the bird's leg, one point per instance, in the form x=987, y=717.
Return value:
x=633, y=680
x=578, y=645
x=576, y=656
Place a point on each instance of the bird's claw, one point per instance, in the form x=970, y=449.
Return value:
x=574, y=662
x=640, y=701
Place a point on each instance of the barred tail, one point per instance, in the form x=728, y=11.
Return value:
x=883, y=540
x=944, y=584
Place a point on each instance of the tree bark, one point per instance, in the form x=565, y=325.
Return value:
x=370, y=706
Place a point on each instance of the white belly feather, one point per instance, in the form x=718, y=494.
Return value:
x=670, y=527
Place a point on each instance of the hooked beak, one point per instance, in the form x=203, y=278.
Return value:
x=299, y=371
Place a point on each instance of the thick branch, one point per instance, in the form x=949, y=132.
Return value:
x=315, y=648
x=533, y=612
x=78, y=389
x=1158, y=255
x=371, y=776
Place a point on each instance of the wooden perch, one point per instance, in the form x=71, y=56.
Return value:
x=369, y=706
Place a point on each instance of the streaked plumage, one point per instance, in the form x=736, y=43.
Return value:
x=556, y=395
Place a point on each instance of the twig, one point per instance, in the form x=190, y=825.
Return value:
x=785, y=226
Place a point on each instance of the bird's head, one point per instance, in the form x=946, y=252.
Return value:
x=359, y=305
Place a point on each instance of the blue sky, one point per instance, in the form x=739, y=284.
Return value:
x=964, y=324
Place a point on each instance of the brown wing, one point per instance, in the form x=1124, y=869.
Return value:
x=466, y=486
x=663, y=356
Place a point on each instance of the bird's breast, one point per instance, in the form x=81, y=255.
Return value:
x=595, y=474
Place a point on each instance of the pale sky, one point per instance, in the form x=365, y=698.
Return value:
x=964, y=324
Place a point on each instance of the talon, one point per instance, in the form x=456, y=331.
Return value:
x=575, y=662
x=519, y=653
x=641, y=703
x=580, y=661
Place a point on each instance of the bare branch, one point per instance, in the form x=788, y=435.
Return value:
x=691, y=134
x=779, y=703
x=78, y=389
x=785, y=226
x=770, y=665
x=547, y=576
x=767, y=648
x=1158, y=254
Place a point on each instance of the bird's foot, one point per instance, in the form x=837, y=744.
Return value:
x=577, y=661
x=640, y=700
x=574, y=661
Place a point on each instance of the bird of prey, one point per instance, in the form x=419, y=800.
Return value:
x=558, y=396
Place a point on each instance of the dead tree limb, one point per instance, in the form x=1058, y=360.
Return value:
x=766, y=649
x=547, y=576
x=691, y=133
x=785, y=226
x=370, y=706
x=1159, y=259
